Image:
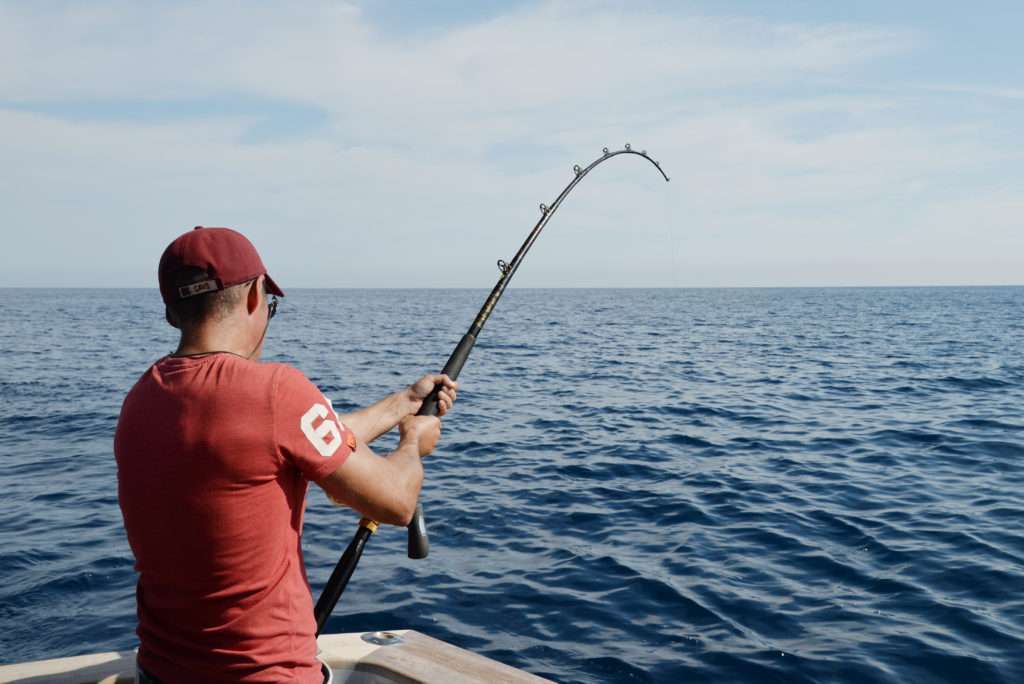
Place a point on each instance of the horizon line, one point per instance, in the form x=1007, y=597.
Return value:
x=559, y=287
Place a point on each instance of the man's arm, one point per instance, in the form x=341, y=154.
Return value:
x=386, y=488
x=373, y=421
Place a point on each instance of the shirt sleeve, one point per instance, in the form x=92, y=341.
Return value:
x=309, y=433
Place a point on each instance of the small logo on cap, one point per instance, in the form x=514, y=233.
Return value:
x=194, y=289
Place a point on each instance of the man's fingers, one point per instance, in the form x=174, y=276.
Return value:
x=445, y=387
x=441, y=379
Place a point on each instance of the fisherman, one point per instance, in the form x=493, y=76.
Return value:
x=215, y=451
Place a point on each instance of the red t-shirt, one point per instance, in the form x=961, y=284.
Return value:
x=214, y=456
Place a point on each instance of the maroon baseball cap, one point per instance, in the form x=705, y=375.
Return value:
x=226, y=255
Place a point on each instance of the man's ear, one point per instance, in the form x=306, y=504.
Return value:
x=252, y=297
x=171, y=318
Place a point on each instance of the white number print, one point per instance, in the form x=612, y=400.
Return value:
x=318, y=434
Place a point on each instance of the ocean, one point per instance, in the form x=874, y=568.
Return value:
x=682, y=485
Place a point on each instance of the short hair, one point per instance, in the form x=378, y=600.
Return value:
x=202, y=308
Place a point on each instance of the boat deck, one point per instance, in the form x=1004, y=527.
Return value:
x=399, y=657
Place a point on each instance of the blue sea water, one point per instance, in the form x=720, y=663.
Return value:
x=793, y=485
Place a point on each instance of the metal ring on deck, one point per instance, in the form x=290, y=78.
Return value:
x=382, y=638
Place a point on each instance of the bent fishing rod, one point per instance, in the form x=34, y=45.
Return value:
x=419, y=545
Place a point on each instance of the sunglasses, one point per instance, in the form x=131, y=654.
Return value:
x=272, y=307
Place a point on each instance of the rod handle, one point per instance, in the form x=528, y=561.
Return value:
x=419, y=542
x=342, y=573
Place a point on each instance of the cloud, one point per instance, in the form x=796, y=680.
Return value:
x=324, y=54
x=991, y=91
x=781, y=146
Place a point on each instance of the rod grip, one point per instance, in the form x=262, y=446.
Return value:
x=419, y=542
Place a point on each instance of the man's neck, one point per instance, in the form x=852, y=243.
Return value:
x=212, y=338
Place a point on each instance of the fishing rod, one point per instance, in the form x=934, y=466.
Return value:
x=419, y=544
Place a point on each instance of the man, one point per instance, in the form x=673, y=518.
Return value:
x=215, y=451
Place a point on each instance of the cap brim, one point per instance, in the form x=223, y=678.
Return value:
x=271, y=286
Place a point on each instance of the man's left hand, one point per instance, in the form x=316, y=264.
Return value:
x=419, y=390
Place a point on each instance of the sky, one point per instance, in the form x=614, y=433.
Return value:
x=409, y=144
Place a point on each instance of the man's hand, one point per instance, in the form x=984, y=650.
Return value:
x=370, y=423
x=419, y=390
x=386, y=489
x=421, y=431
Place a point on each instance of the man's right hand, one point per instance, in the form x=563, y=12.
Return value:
x=422, y=431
